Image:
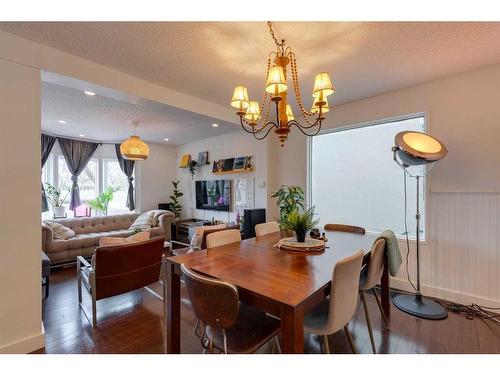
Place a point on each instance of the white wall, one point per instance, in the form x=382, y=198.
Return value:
x=154, y=176
x=461, y=260
x=222, y=147
x=20, y=241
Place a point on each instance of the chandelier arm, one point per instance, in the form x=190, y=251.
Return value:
x=265, y=135
x=293, y=122
x=311, y=125
x=253, y=131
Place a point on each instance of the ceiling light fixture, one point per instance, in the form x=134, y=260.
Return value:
x=82, y=135
x=61, y=122
x=276, y=91
x=215, y=125
x=166, y=139
x=89, y=93
x=134, y=148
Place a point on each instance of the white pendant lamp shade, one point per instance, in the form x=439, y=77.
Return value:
x=416, y=148
x=134, y=148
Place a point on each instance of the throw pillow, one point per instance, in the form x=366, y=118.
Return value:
x=156, y=216
x=114, y=241
x=60, y=231
x=144, y=221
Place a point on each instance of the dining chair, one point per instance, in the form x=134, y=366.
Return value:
x=223, y=237
x=334, y=313
x=230, y=326
x=266, y=228
x=345, y=228
x=371, y=275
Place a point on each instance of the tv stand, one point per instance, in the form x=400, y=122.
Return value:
x=185, y=228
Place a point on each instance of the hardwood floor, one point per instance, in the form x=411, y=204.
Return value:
x=133, y=323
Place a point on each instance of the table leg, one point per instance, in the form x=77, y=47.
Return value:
x=173, y=310
x=385, y=292
x=292, y=330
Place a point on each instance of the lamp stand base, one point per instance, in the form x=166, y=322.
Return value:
x=419, y=306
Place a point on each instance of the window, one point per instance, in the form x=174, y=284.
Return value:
x=354, y=180
x=95, y=178
x=113, y=176
x=87, y=180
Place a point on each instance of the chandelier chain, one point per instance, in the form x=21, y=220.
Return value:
x=271, y=31
x=296, y=89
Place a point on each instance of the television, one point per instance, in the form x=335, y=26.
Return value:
x=213, y=195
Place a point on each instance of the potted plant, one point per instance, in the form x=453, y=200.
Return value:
x=300, y=221
x=175, y=207
x=101, y=202
x=56, y=199
x=192, y=167
x=289, y=199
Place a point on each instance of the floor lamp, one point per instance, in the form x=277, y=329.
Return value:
x=418, y=149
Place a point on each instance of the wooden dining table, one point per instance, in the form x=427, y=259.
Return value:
x=282, y=283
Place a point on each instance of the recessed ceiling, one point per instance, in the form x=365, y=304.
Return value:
x=207, y=59
x=108, y=115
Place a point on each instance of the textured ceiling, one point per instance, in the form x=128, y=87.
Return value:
x=105, y=119
x=207, y=59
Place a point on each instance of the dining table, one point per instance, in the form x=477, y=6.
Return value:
x=285, y=284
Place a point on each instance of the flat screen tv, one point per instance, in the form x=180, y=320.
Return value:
x=213, y=195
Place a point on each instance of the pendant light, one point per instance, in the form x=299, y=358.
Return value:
x=134, y=148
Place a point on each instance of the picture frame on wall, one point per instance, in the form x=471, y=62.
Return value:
x=203, y=158
x=185, y=161
x=239, y=163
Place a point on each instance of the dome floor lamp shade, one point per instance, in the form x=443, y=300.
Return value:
x=134, y=148
x=418, y=149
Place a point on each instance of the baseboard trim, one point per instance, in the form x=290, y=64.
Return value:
x=445, y=294
x=26, y=345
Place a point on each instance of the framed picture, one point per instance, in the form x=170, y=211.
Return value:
x=218, y=166
x=186, y=159
x=249, y=163
x=203, y=158
x=239, y=163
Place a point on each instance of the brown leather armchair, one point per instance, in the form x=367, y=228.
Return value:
x=119, y=269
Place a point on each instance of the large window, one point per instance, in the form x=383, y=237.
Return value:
x=94, y=179
x=354, y=180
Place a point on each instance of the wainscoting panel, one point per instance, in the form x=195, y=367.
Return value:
x=461, y=260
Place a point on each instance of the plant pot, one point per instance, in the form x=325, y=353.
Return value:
x=59, y=211
x=300, y=236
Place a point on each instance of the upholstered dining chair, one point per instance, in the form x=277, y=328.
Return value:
x=370, y=277
x=266, y=228
x=119, y=269
x=334, y=313
x=345, y=228
x=230, y=326
x=223, y=237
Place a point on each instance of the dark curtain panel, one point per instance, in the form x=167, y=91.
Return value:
x=47, y=144
x=77, y=155
x=127, y=167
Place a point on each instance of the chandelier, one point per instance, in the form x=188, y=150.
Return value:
x=134, y=148
x=275, y=92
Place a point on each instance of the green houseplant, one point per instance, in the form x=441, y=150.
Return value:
x=56, y=199
x=101, y=202
x=290, y=199
x=300, y=221
x=175, y=204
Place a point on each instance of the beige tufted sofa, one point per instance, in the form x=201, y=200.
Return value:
x=89, y=230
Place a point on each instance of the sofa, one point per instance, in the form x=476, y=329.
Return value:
x=89, y=230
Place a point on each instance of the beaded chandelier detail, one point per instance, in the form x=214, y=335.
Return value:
x=275, y=92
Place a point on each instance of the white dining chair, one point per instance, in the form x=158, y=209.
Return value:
x=266, y=228
x=223, y=237
x=334, y=313
x=371, y=275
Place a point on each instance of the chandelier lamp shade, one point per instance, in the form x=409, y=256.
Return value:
x=134, y=148
x=255, y=116
x=413, y=148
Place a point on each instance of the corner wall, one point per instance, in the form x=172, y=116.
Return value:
x=20, y=242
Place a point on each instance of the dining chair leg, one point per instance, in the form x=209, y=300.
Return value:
x=277, y=344
x=94, y=311
x=368, y=323
x=79, y=281
x=225, y=340
x=381, y=309
x=326, y=346
x=349, y=338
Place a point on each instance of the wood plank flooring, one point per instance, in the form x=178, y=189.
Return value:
x=133, y=323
